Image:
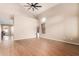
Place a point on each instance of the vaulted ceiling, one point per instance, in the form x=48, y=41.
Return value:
x=44, y=7
x=7, y=9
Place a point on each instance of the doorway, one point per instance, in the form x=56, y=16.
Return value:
x=6, y=32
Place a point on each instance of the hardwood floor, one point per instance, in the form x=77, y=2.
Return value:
x=38, y=47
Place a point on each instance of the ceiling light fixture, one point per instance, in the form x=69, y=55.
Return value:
x=43, y=20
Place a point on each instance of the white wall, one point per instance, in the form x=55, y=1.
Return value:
x=62, y=23
x=24, y=24
x=24, y=27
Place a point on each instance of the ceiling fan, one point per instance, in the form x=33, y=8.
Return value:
x=33, y=6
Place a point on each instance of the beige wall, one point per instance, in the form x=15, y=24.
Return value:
x=62, y=23
x=24, y=24
x=24, y=27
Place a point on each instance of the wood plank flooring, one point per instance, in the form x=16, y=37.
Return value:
x=38, y=47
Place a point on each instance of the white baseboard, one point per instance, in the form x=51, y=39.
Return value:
x=61, y=41
x=24, y=38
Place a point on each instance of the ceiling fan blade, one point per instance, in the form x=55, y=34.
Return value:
x=29, y=8
x=35, y=4
x=28, y=3
x=38, y=6
x=31, y=3
x=26, y=6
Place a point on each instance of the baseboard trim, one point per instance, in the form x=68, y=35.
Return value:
x=61, y=41
x=25, y=38
x=49, y=39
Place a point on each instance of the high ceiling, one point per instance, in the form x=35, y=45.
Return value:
x=8, y=9
x=44, y=7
